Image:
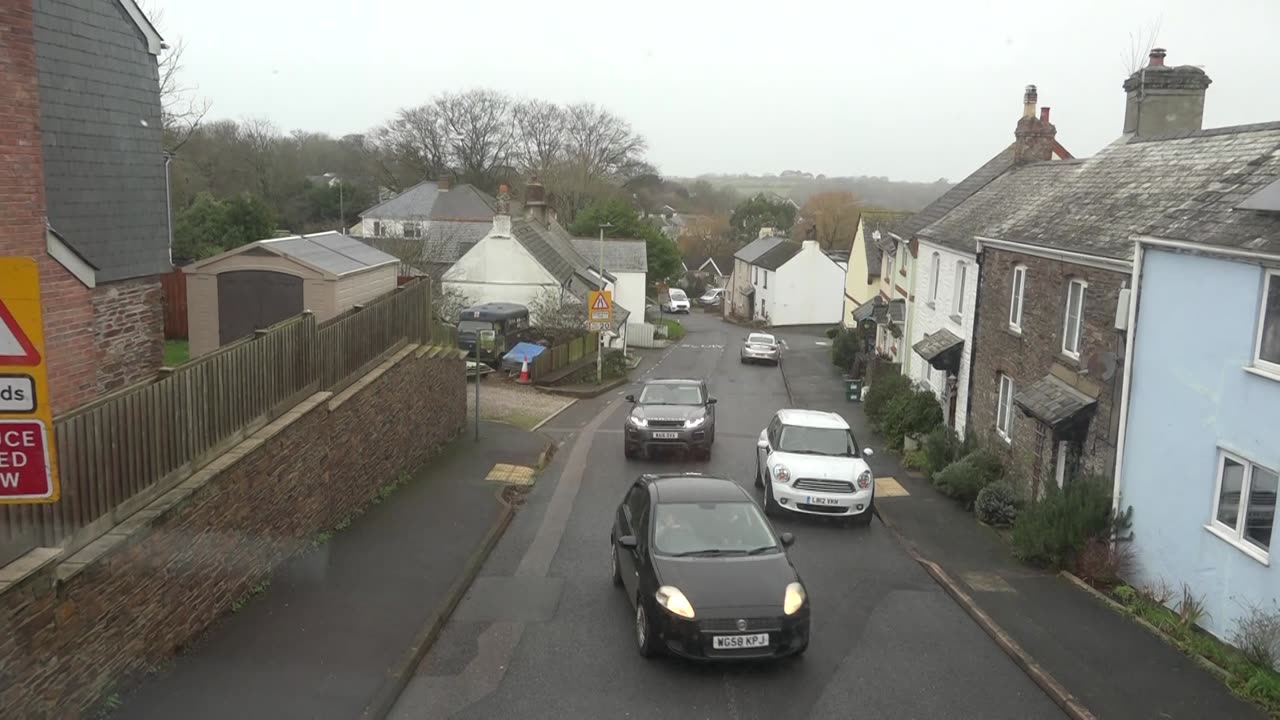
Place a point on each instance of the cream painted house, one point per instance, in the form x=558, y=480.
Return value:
x=862, y=277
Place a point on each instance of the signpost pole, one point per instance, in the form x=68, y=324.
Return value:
x=600, y=336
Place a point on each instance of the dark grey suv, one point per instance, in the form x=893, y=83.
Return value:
x=675, y=414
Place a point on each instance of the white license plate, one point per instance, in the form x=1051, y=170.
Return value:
x=824, y=501
x=736, y=642
x=665, y=435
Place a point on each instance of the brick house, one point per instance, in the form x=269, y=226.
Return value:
x=1055, y=250
x=942, y=289
x=84, y=187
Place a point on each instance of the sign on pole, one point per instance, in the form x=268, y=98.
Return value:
x=599, y=310
x=28, y=463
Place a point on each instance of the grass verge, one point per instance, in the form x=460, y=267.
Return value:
x=675, y=330
x=176, y=352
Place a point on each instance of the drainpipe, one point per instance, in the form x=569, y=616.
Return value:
x=973, y=346
x=1130, y=333
x=168, y=202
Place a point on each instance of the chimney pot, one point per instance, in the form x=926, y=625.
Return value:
x=1044, y=114
x=1029, y=101
x=1157, y=57
x=443, y=183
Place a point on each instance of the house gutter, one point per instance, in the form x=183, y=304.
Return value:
x=1131, y=333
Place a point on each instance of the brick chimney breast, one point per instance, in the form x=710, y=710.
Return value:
x=1164, y=99
x=535, y=201
x=1034, y=138
x=444, y=183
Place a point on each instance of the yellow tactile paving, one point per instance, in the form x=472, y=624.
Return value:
x=887, y=487
x=511, y=474
x=986, y=582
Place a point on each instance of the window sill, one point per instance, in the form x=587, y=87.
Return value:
x=1244, y=547
x=1007, y=439
x=932, y=305
x=1262, y=373
x=1071, y=360
x=957, y=319
x=1013, y=332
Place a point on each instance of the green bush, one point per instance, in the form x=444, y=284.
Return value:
x=941, y=448
x=845, y=348
x=914, y=412
x=884, y=388
x=916, y=460
x=832, y=332
x=997, y=504
x=1053, y=531
x=966, y=477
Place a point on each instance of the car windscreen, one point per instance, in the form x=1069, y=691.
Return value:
x=757, y=339
x=671, y=395
x=817, y=441
x=728, y=528
x=471, y=327
x=678, y=295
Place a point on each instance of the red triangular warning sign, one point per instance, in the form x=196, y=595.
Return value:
x=601, y=303
x=15, y=346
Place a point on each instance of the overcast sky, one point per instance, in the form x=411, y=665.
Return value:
x=910, y=89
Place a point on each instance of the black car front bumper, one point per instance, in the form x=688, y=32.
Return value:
x=685, y=438
x=694, y=639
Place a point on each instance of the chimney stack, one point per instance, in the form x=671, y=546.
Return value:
x=443, y=183
x=1029, y=102
x=1034, y=138
x=1164, y=99
x=535, y=201
x=502, y=213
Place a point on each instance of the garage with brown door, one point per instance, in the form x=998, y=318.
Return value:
x=254, y=286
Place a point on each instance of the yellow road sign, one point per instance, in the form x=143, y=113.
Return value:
x=28, y=462
x=600, y=306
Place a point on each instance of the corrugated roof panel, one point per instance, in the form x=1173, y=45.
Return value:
x=352, y=248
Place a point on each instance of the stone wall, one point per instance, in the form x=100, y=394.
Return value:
x=74, y=630
x=128, y=331
x=1036, y=352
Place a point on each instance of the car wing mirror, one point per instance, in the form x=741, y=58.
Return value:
x=868, y=452
x=763, y=443
x=630, y=398
x=787, y=539
x=711, y=401
x=628, y=542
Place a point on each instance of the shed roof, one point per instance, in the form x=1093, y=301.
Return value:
x=330, y=253
x=619, y=255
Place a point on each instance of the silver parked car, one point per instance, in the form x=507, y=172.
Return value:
x=673, y=414
x=761, y=347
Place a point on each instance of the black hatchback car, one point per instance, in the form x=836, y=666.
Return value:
x=705, y=573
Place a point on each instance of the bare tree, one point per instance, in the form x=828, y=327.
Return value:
x=416, y=141
x=541, y=141
x=181, y=109
x=1141, y=42
x=481, y=133
x=559, y=314
x=261, y=139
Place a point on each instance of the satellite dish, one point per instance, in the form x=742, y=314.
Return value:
x=1102, y=365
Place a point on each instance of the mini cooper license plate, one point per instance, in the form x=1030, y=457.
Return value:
x=823, y=501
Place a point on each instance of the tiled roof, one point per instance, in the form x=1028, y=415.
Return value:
x=882, y=223
x=425, y=201
x=957, y=194
x=1183, y=187
x=777, y=256
x=758, y=247
x=553, y=248
x=619, y=255
x=1051, y=400
x=936, y=344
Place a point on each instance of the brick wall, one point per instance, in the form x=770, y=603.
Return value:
x=64, y=646
x=22, y=182
x=1030, y=356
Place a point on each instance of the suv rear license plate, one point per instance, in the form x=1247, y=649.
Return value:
x=665, y=435
x=736, y=642
x=823, y=501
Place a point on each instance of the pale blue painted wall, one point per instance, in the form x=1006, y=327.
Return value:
x=1197, y=318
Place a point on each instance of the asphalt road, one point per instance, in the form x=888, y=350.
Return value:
x=544, y=634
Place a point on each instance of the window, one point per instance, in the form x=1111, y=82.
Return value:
x=411, y=230
x=755, y=275
x=1004, y=407
x=766, y=279
x=1015, y=301
x=379, y=230
x=1268, y=355
x=1073, y=321
x=1245, y=504
x=957, y=299
x=935, y=269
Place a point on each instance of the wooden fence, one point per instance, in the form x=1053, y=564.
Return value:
x=175, y=304
x=120, y=451
x=560, y=356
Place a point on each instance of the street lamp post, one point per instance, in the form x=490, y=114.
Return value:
x=600, y=335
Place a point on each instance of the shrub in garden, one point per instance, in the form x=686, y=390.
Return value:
x=1257, y=634
x=1103, y=563
x=966, y=477
x=997, y=504
x=884, y=388
x=845, y=348
x=1053, y=531
x=833, y=331
x=913, y=412
x=941, y=448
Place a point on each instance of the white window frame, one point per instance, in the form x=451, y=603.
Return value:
x=1235, y=535
x=1271, y=276
x=957, y=294
x=416, y=227
x=935, y=273
x=379, y=229
x=1066, y=319
x=1004, y=407
x=1017, y=293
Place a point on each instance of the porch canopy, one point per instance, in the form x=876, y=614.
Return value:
x=941, y=350
x=1053, y=402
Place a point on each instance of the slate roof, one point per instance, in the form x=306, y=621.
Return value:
x=936, y=344
x=867, y=309
x=101, y=137
x=619, y=255
x=330, y=252
x=883, y=223
x=894, y=311
x=1188, y=186
x=777, y=256
x=977, y=180
x=553, y=248
x=425, y=201
x=445, y=242
x=1051, y=400
x=758, y=247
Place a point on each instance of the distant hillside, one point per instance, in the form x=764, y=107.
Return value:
x=879, y=192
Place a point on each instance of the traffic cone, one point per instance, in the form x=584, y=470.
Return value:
x=524, y=371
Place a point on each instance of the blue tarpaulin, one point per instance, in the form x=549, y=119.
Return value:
x=523, y=351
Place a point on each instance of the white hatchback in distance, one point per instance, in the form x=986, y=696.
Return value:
x=808, y=461
x=677, y=301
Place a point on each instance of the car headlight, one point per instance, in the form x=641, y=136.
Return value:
x=781, y=474
x=695, y=422
x=676, y=603
x=638, y=421
x=794, y=598
x=865, y=479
